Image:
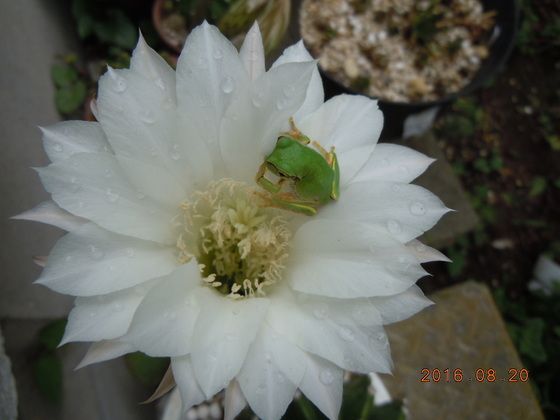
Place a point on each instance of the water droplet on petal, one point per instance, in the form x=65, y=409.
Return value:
x=108, y=173
x=175, y=155
x=95, y=252
x=394, y=227
x=417, y=208
x=326, y=377
x=288, y=90
x=218, y=54
x=112, y=197
x=140, y=195
x=261, y=389
x=280, y=377
x=120, y=84
x=58, y=147
x=68, y=258
x=281, y=103
x=268, y=357
x=227, y=85
x=117, y=306
x=129, y=252
x=320, y=311
x=92, y=314
x=147, y=117
x=159, y=83
x=230, y=337
x=385, y=162
x=395, y=188
x=346, y=334
x=75, y=184
x=257, y=100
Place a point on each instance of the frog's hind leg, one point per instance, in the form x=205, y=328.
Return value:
x=287, y=201
x=296, y=134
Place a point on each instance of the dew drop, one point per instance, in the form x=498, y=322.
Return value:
x=268, y=357
x=235, y=311
x=320, y=312
x=281, y=104
x=385, y=162
x=417, y=208
x=230, y=337
x=92, y=314
x=261, y=389
x=68, y=258
x=394, y=227
x=420, y=247
x=58, y=147
x=80, y=204
x=326, y=377
x=120, y=84
x=108, y=173
x=280, y=377
x=395, y=188
x=153, y=151
x=359, y=314
x=117, y=307
x=112, y=197
x=147, y=117
x=175, y=155
x=75, y=184
x=227, y=85
x=140, y=195
x=95, y=252
x=201, y=62
x=346, y=334
x=129, y=252
x=159, y=83
x=218, y=54
x=257, y=100
x=288, y=91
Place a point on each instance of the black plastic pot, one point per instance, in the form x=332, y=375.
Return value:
x=507, y=20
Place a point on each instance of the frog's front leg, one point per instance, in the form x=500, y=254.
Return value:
x=264, y=182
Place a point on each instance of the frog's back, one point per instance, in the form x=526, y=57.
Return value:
x=313, y=173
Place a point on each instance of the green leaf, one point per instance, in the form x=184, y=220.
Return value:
x=531, y=340
x=69, y=98
x=116, y=29
x=538, y=186
x=52, y=333
x=63, y=75
x=148, y=370
x=48, y=376
x=355, y=397
x=554, y=142
x=482, y=165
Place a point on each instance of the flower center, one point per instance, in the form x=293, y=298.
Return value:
x=239, y=244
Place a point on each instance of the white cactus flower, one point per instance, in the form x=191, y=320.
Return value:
x=173, y=249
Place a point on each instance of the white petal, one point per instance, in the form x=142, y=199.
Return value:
x=315, y=94
x=152, y=66
x=224, y=330
x=271, y=374
x=104, y=317
x=252, y=52
x=163, y=323
x=322, y=384
x=425, y=253
x=183, y=372
x=391, y=162
x=91, y=261
x=67, y=138
x=405, y=211
x=401, y=306
x=48, y=212
x=346, y=332
x=350, y=260
x=234, y=401
x=105, y=350
x=155, y=182
x=345, y=122
x=209, y=75
x=256, y=118
x=173, y=409
x=139, y=117
x=94, y=186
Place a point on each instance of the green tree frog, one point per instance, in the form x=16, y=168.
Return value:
x=307, y=177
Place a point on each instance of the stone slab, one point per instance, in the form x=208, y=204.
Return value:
x=463, y=330
x=102, y=391
x=32, y=34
